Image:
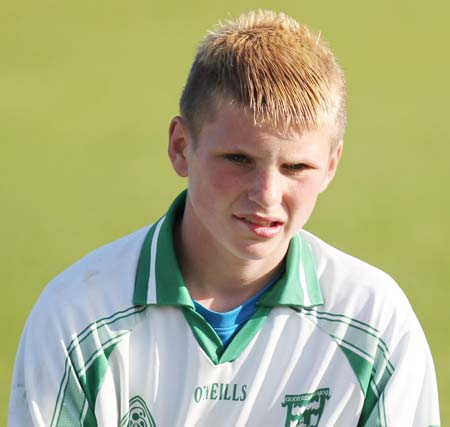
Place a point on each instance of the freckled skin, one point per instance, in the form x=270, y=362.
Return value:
x=249, y=189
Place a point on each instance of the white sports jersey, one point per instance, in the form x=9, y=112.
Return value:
x=115, y=341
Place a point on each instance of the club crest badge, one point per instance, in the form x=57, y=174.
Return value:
x=138, y=415
x=305, y=410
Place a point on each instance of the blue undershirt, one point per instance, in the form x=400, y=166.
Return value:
x=227, y=324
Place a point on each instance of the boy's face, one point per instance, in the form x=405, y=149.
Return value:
x=249, y=189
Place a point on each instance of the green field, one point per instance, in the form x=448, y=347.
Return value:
x=86, y=93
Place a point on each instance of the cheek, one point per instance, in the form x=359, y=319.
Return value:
x=224, y=181
x=303, y=195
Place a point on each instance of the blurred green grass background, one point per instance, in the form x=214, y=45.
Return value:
x=87, y=90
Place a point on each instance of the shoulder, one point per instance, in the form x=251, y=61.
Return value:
x=360, y=291
x=97, y=286
x=81, y=315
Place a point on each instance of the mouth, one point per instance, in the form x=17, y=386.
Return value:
x=265, y=227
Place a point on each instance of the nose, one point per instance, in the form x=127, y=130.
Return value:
x=265, y=189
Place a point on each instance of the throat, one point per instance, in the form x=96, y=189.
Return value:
x=225, y=296
x=228, y=323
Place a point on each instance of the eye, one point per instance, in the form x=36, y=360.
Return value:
x=296, y=167
x=237, y=158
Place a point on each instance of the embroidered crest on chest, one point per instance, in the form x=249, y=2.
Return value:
x=305, y=410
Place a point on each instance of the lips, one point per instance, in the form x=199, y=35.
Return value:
x=265, y=227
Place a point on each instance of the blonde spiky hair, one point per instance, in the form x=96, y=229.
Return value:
x=271, y=65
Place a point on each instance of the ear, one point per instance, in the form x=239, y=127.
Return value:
x=179, y=139
x=332, y=165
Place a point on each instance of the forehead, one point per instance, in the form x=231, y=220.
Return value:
x=233, y=125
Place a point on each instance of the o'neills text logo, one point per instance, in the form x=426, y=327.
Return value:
x=220, y=391
x=305, y=410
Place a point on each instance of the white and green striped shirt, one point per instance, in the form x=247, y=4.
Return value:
x=115, y=341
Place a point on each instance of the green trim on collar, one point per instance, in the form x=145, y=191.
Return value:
x=299, y=285
x=210, y=342
x=170, y=286
x=143, y=270
x=242, y=339
x=310, y=274
x=158, y=276
x=205, y=335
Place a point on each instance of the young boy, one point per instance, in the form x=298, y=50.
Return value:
x=225, y=312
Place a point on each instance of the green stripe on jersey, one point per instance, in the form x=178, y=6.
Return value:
x=86, y=365
x=368, y=356
x=373, y=412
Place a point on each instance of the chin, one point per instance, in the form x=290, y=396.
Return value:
x=258, y=252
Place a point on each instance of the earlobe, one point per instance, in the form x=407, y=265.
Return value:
x=332, y=165
x=178, y=142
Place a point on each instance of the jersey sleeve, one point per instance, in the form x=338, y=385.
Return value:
x=19, y=411
x=410, y=396
x=46, y=388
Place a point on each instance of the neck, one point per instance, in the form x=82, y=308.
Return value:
x=214, y=277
